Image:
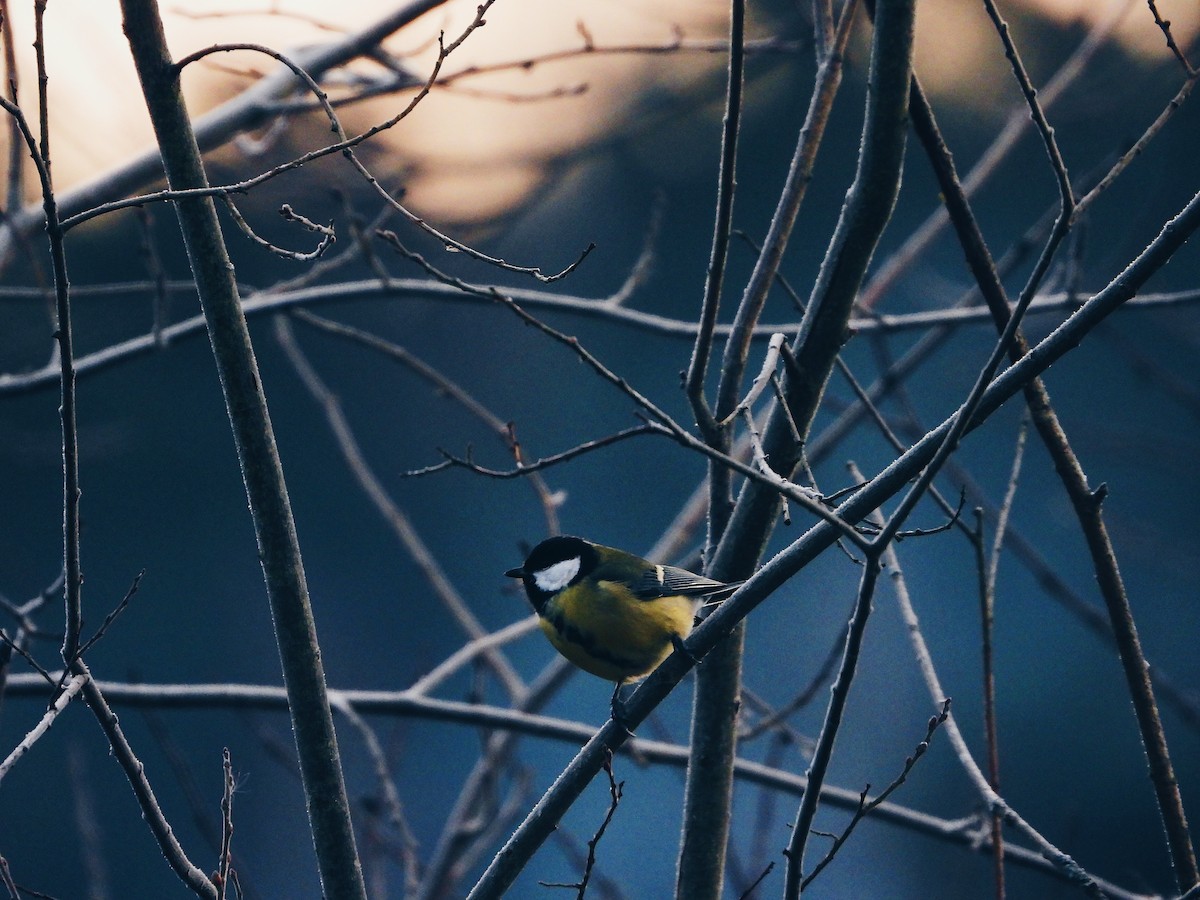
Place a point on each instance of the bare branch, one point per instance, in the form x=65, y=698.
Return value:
x=225, y=857
x=71, y=688
x=866, y=807
x=326, y=231
x=112, y=616
x=266, y=489
x=961, y=832
x=1165, y=27
x=400, y=523
x=995, y=803
x=719, y=254
x=443, y=385
x=523, y=469
x=193, y=877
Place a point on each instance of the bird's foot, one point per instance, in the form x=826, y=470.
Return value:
x=618, y=711
x=681, y=647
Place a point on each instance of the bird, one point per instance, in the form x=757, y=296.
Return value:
x=609, y=612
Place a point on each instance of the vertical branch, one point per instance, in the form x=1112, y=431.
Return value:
x=987, y=606
x=766, y=267
x=279, y=549
x=698, y=368
x=987, y=599
x=66, y=357
x=708, y=794
x=72, y=576
x=704, y=832
x=864, y=215
x=225, y=857
x=988, y=571
x=867, y=209
x=14, y=180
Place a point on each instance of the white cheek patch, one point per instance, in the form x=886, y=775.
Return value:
x=558, y=576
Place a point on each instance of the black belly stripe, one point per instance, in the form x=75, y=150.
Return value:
x=569, y=632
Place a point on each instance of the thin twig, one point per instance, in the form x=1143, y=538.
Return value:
x=198, y=801
x=866, y=807
x=40, y=153
x=659, y=420
x=358, y=246
x=225, y=857
x=1165, y=27
x=326, y=232
x=13, y=644
x=523, y=469
x=399, y=521
x=748, y=892
x=390, y=794
x=112, y=616
x=1036, y=107
x=762, y=379
x=575, y=852
x=988, y=571
x=615, y=790
x=447, y=387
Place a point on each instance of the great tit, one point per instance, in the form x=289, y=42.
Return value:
x=609, y=612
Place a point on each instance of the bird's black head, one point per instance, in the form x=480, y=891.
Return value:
x=554, y=564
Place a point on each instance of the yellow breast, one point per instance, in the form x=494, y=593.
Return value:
x=611, y=633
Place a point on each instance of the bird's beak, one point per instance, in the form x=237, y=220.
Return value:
x=518, y=572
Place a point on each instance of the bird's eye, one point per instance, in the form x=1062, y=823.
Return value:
x=558, y=576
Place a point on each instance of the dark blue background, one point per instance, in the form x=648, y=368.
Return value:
x=162, y=491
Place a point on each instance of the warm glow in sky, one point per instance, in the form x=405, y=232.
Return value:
x=481, y=147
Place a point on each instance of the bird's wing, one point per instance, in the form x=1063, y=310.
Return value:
x=670, y=581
